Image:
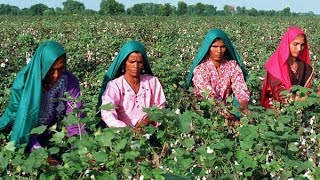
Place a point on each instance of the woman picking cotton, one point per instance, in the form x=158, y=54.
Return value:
x=289, y=65
x=130, y=86
x=218, y=71
x=33, y=100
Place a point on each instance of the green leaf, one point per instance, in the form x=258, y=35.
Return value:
x=100, y=157
x=188, y=143
x=54, y=150
x=170, y=176
x=107, y=107
x=293, y=147
x=105, y=138
x=58, y=137
x=10, y=146
x=246, y=145
x=120, y=145
x=184, y=121
x=131, y=155
x=38, y=130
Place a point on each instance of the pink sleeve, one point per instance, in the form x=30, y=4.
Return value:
x=201, y=81
x=159, y=98
x=239, y=86
x=111, y=96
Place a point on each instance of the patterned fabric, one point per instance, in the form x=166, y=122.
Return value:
x=129, y=104
x=50, y=107
x=206, y=78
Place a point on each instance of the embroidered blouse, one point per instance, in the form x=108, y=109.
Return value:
x=130, y=104
x=220, y=86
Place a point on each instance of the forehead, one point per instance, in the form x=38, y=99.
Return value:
x=299, y=38
x=135, y=55
x=218, y=42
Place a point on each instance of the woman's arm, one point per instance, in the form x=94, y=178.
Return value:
x=111, y=96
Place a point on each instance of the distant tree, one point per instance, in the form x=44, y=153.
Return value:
x=310, y=13
x=182, y=8
x=253, y=12
x=90, y=12
x=229, y=10
x=26, y=12
x=49, y=12
x=165, y=10
x=241, y=10
x=136, y=10
x=286, y=12
x=73, y=7
x=210, y=10
x=199, y=9
x=38, y=9
x=111, y=7
x=59, y=10
x=6, y=9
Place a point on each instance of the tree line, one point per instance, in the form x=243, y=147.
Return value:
x=112, y=7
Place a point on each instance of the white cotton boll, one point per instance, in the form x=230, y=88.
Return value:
x=209, y=150
x=147, y=136
x=312, y=119
x=141, y=177
x=308, y=174
x=6, y=60
x=92, y=177
x=28, y=60
x=3, y=65
x=254, y=101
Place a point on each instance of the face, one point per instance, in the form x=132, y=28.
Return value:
x=217, y=50
x=297, y=45
x=56, y=70
x=134, y=64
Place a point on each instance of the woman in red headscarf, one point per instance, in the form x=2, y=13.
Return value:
x=288, y=65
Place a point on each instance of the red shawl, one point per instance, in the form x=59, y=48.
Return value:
x=277, y=64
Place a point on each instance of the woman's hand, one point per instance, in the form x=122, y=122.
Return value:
x=142, y=122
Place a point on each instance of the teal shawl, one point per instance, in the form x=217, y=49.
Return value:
x=231, y=54
x=115, y=69
x=23, y=110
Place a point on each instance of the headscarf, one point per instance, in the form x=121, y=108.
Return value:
x=23, y=110
x=277, y=64
x=231, y=54
x=114, y=70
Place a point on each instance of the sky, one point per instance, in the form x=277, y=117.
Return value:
x=303, y=6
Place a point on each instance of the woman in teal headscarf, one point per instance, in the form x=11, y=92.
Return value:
x=32, y=104
x=218, y=72
x=130, y=86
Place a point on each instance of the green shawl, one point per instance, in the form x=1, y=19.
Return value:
x=231, y=54
x=23, y=110
x=116, y=66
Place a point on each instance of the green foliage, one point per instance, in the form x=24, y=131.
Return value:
x=192, y=141
x=111, y=7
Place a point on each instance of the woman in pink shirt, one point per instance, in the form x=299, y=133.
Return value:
x=130, y=86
